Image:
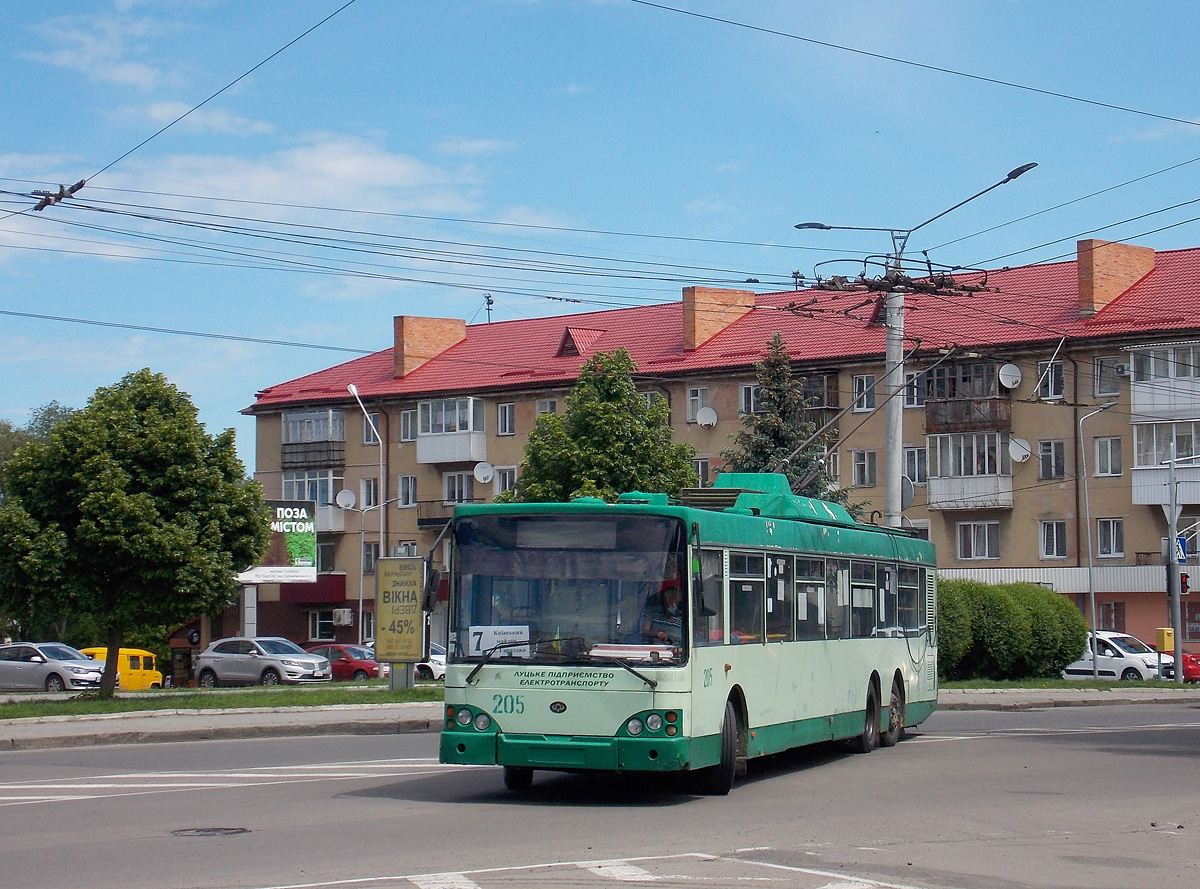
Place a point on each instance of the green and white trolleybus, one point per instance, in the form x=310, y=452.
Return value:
x=796, y=625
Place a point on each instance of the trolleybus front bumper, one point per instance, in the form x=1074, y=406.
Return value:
x=567, y=751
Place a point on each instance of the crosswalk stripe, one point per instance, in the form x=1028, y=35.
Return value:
x=443, y=881
x=619, y=870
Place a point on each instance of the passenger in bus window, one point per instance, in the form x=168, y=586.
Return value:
x=662, y=618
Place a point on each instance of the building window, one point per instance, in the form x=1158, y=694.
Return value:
x=1111, y=616
x=700, y=467
x=697, y=398
x=1108, y=456
x=915, y=385
x=320, y=485
x=408, y=425
x=547, y=406
x=750, y=399
x=1050, y=379
x=369, y=428
x=976, y=380
x=833, y=469
x=864, y=392
x=458, y=487
x=368, y=493
x=450, y=415
x=506, y=479
x=978, y=540
x=368, y=627
x=1152, y=441
x=325, y=556
x=969, y=453
x=320, y=626
x=1108, y=379
x=916, y=465
x=1187, y=361
x=370, y=555
x=864, y=469
x=506, y=419
x=1052, y=460
x=300, y=427
x=406, y=490
x=1110, y=534
x=1054, y=539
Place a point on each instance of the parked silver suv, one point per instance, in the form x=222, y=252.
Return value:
x=259, y=660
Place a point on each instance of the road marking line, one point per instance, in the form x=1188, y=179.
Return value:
x=618, y=870
x=444, y=881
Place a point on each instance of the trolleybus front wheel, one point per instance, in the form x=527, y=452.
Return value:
x=518, y=777
x=869, y=739
x=718, y=780
x=895, y=728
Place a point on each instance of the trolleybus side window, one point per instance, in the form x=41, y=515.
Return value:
x=887, y=621
x=909, y=598
x=747, y=584
x=862, y=599
x=837, y=599
x=810, y=598
x=710, y=609
x=779, y=600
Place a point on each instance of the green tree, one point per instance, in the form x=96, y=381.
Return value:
x=130, y=513
x=37, y=429
x=781, y=436
x=608, y=441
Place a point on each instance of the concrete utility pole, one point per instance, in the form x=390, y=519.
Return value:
x=893, y=461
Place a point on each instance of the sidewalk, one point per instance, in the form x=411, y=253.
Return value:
x=382, y=719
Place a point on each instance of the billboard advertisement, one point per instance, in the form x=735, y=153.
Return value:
x=399, y=617
x=291, y=556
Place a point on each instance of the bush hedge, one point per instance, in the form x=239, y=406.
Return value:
x=1005, y=631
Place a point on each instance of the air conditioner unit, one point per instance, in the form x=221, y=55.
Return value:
x=343, y=617
x=1122, y=370
x=404, y=549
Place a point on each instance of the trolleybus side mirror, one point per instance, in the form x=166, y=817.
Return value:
x=433, y=580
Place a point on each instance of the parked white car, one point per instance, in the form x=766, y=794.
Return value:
x=1118, y=656
x=47, y=666
x=435, y=667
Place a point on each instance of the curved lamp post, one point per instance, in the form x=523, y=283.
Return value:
x=894, y=358
x=1087, y=518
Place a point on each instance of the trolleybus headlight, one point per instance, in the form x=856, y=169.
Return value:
x=463, y=716
x=482, y=721
x=654, y=722
x=634, y=726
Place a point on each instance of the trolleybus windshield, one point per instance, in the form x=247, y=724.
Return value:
x=561, y=588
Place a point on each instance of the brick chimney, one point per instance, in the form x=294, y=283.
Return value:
x=709, y=310
x=1106, y=270
x=420, y=339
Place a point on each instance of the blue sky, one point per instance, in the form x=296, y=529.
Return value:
x=410, y=157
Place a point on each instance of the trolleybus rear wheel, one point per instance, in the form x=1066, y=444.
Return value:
x=895, y=728
x=869, y=739
x=518, y=777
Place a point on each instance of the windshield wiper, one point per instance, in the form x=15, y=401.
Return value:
x=621, y=662
x=519, y=643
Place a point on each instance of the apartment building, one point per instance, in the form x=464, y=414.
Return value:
x=1007, y=373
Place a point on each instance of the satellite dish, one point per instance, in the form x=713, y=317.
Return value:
x=345, y=498
x=484, y=472
x=706, y=417
x=1010, y=376
x=1019, y=450
x=906, y=492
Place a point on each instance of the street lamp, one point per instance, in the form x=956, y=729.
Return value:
x=1087, y=518
x=345, y=500
x=380, y=493
x=894, y=356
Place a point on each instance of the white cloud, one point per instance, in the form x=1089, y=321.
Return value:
x=201, y=120
x=100, y=48
x=475, y=147
x=708, y=207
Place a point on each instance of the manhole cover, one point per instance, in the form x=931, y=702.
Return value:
x=209, y=831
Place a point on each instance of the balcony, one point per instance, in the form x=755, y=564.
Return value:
x=1150, y=485
x=971, y=492
x=1164, y=399
x=330, y=518
x=452, y=447
x=967, y=415
x=313, y=455
x=435, y=513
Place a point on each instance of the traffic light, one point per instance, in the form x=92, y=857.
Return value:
x=1183, y=584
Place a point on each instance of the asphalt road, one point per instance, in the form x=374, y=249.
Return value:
x=1096, y=797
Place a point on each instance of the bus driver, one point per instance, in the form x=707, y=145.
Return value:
x=662, y=618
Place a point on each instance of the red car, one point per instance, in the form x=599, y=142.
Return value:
x=355, y=663
x=1191, y=667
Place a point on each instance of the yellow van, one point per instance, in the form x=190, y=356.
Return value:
x=134, y=666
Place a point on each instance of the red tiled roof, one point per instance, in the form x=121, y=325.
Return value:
x=1021, y=305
